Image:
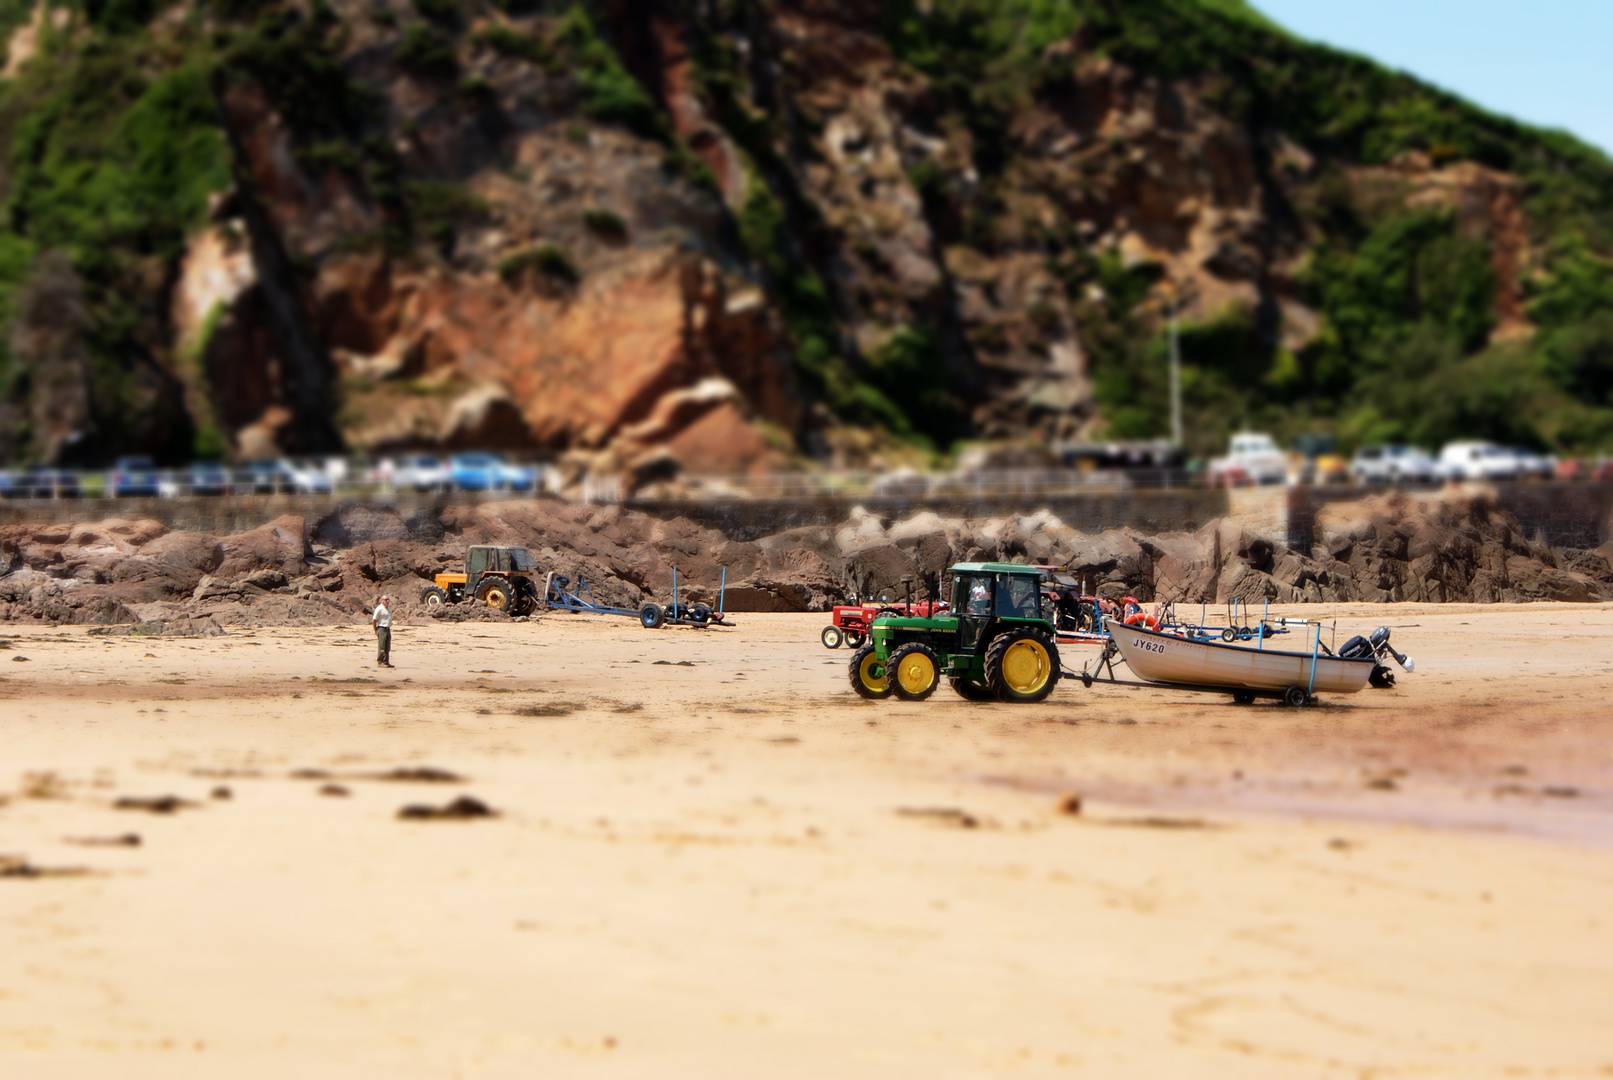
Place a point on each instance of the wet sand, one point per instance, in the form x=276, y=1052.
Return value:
x=712, y=860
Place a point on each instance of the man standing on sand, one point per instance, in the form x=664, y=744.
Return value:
x=382, y=621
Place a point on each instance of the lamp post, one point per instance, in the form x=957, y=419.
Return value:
x=1176, y=377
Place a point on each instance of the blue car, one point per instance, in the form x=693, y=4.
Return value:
x=134, y=478
x=486, y=472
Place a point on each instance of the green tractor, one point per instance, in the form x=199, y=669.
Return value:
x=996, y=643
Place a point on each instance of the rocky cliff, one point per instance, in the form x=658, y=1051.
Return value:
x=729, y=236
x=139, y=575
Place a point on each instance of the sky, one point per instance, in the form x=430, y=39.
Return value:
x=1546, y=62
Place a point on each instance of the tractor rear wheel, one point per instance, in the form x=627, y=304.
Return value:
x=651, y=615
x=869, y=676
x=433, y=598
x=970, y=690
x=914, y=672
x=1022, y=665
x=831, y=637
x=496, y=592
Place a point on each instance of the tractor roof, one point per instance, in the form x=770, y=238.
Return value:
x=994, y=568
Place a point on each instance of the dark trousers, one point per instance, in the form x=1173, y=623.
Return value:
x=383, y=644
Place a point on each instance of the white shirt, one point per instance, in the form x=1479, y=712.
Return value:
x=382, y=616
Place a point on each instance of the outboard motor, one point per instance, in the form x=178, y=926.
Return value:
x=1359, y=648
x=1380, y=645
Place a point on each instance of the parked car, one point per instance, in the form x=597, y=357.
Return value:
x=134, y=478
x=487, y=472
x=1476, y=460
x=420, y=472
x=1252, y=458
x=1393, y=463
x=207, y=478
x=1531, y=465
x=42, y=482
x=304, y=477
x=262, y=477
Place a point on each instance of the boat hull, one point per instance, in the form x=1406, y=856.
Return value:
x=1165, y=658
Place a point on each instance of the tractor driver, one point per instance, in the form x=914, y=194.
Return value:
x=980, y=596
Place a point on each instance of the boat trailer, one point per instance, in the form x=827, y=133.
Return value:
x=558, y=595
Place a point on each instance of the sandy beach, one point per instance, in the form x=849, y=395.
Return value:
x=709, y=858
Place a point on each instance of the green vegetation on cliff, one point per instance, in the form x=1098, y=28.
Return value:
x=1361, y=304
x=1408, y=299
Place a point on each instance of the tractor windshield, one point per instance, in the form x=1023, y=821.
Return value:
x=971, y=593
x=1018, y=596
x=520, y=560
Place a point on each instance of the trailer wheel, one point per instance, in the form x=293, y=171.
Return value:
x=1382, y=678
x=854, y=639
x=970, y=690
x=496, y=592
x=1022, y=666
x=1243, y=697
x=652, y=616
x=432, y=598
x=1230, y=634
x=914, y=672
x=700, y=614
x=1295, y=696
x=831, y=637
x=869, y=676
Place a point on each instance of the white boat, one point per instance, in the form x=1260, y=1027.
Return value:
x=1244, y=671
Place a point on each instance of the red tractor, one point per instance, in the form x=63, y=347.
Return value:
x=849, y=623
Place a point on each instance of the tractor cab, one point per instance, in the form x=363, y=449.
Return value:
x=982, y=596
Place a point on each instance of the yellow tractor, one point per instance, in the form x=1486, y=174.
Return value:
x=500, y=577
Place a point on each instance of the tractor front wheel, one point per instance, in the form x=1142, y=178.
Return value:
x=1022, y=665
x=433, y=598
x=869, y=675
x=831, y=637
x=652, y=615
x=914, y=672
x=970, y=690
x=855, y=639
x=496, y=592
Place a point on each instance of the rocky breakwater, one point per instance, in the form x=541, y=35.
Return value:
x=144, y=577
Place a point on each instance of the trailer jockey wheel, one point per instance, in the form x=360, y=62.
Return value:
x=1296, y=696
x=651, y=616
x=832, y=637
x=495, y=592
x=854, y=639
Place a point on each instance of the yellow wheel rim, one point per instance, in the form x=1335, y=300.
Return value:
x=1026, y=666
x=496, y=597
x=872, y=672
x=915, y=674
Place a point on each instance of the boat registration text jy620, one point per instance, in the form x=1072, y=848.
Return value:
x=1149, y=646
